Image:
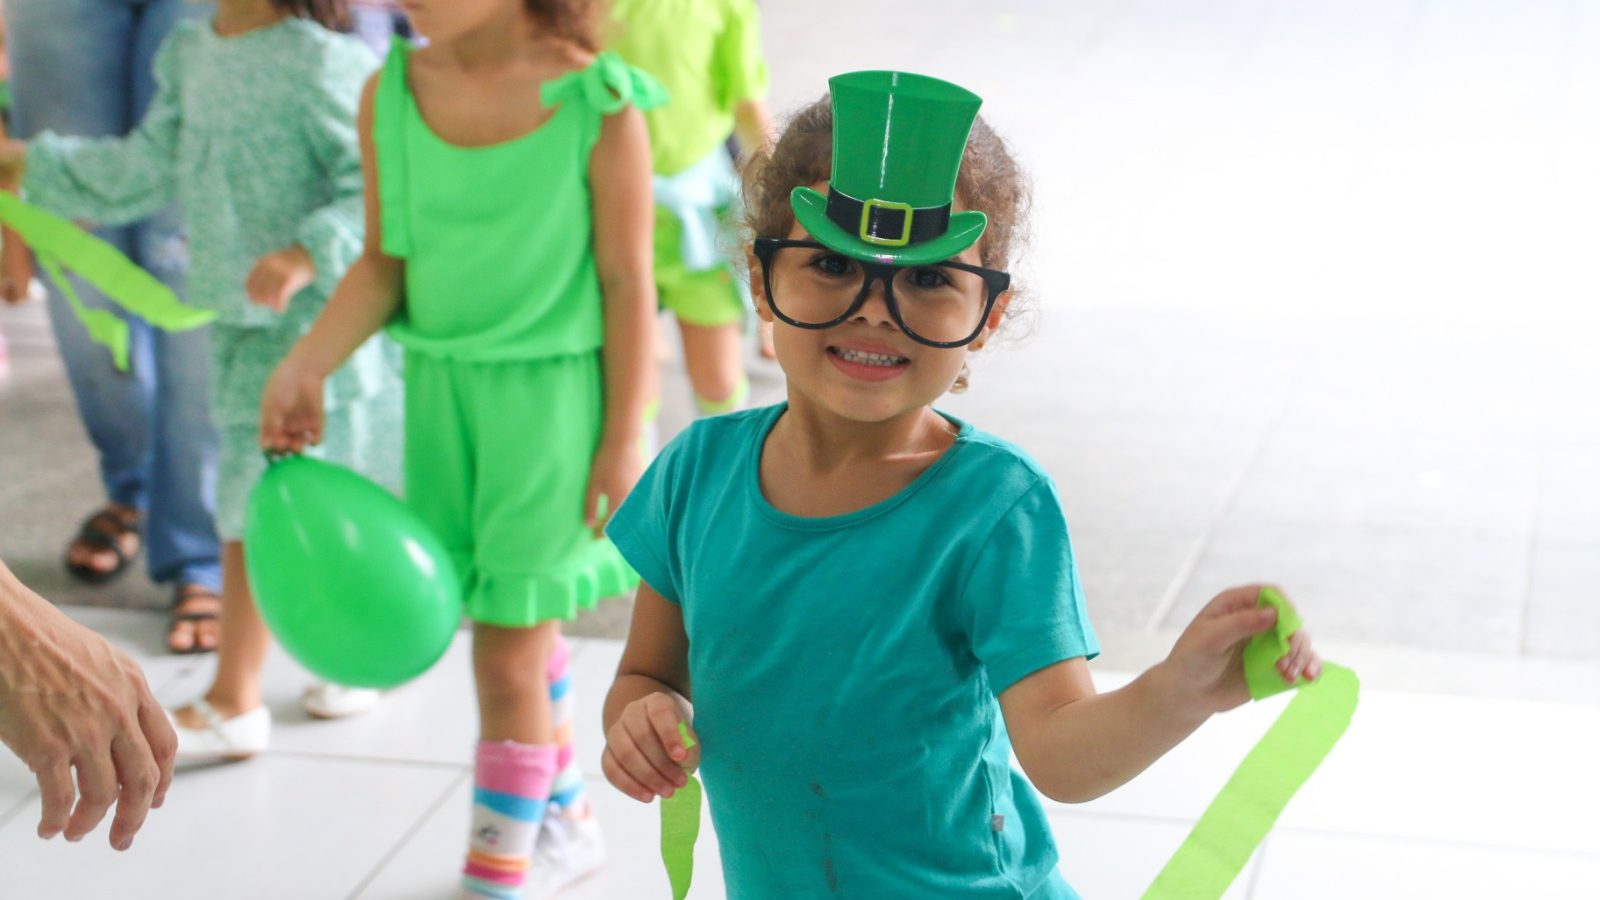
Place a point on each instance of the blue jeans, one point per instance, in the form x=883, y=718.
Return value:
x=83, y=67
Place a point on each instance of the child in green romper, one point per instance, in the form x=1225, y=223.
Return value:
x=252, y=131
x=508, y=250
x=708, y=55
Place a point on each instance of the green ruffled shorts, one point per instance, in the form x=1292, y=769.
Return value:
x=497, y=461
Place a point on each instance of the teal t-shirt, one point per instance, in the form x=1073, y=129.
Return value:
x=845, y=669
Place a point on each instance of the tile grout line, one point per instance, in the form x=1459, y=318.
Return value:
x=410, y=833
x=1525, y=602
x=1191, y=560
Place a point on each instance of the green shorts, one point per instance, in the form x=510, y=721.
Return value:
x=497, y=461
x=709, y=298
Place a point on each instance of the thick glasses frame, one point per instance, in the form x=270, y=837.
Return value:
x=996, y=281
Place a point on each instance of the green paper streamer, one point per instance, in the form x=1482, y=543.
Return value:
x=59, y=244
x=1219, y=846
x=105, y=328
x=680, y=828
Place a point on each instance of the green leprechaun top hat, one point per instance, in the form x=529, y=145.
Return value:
x=897, y=145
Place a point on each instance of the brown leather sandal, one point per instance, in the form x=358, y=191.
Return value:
x=185, y=596
x=106, y=531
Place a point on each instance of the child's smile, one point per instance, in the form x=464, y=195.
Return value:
x=866, y=360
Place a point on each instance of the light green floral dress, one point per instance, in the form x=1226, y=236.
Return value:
x=255, y=136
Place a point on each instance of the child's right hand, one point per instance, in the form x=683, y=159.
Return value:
x=645, y=756
x=291, y=408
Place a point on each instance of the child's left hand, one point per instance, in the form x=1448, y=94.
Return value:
x=277, y=277
x=616, y=469
x=1207, y=662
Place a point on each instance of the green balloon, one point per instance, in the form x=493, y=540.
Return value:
x=352, y=583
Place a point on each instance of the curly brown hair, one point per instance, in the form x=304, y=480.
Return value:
x=578, y=21
x=333, y=15
x=989, y=181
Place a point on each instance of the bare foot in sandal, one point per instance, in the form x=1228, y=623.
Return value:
x=195, y=626
x=106, y=543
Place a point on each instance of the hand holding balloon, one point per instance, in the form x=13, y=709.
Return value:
x=291, y=408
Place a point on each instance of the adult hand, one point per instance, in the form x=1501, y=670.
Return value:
x=70, y=704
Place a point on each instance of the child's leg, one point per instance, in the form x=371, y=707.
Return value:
x=714, y=357
x=236, y=688
x=516, y=758
x=566, y=794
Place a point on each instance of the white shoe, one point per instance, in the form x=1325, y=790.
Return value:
x=324, y=700
x=569, y=849
x=239, y=737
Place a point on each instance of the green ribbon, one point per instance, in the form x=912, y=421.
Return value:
x=680, y=828
x=1228, y=832
x=59, y=245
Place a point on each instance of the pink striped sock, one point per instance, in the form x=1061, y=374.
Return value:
x=511, y=789
x=566, y=793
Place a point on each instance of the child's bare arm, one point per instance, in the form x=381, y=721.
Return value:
x=1076, y=745
x=624, y=222
x=752, y=125
x=644, y=754
x=366, y=299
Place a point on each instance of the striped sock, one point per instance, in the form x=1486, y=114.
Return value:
x=511, y=789
x=566, y=793
x=733, y=403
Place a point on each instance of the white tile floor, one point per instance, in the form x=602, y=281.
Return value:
x=1317, y=292
x=1468, y=798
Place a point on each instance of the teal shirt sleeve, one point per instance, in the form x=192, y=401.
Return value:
x=739, y=67
x=1023, y=603
x=642, y=528
x=113, y=181
x=333, y=234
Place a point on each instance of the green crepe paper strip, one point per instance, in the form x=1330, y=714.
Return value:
x=105, y=328
x=1261, y=655
x=59, y=244
x=680, y=828
x=1228, y=832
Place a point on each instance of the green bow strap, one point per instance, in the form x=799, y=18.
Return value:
x=607, y=85
x=59, y=245
x=1228, y=832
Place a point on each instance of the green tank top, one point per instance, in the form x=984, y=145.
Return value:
x=498, y=240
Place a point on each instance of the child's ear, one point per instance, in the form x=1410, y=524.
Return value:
x=996, y=316
x=758, y=284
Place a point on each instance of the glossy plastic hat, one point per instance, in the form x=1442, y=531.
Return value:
x=898, y=139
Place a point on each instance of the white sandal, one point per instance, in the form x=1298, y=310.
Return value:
x=236, y=738
x=325, y=700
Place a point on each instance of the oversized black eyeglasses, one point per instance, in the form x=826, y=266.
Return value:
x=943, y=304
